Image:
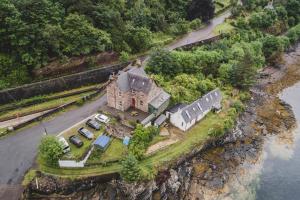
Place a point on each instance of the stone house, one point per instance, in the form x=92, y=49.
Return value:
x=134, y=89
x=185, y=116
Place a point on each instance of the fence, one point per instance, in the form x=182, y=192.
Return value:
x=59, y=84
x=73, y=163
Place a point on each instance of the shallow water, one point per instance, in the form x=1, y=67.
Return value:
x=280, y=175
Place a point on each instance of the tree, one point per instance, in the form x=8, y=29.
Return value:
x=130, y=169
x=202, y=9
x=138, y=38
x=273, y=46
x=50, y=150
x=244, y=70
x=161, y=62
x=293, y=9
x=81, y=38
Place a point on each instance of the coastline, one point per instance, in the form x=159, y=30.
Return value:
x=205, y=166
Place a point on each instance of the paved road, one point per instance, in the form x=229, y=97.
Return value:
x=18, y=151
x=196, y=36
x=201, y=34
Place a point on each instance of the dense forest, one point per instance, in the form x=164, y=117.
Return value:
x=260, y=34
x=34, y=32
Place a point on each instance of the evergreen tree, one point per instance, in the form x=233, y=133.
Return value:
x=130, y=169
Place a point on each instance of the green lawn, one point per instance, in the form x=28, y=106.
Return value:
x=223, y=28
x=115, y=151
x=160, y=38
x=221, y=5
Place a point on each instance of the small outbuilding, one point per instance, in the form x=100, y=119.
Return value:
x=160, y=120
x=126, y=140
x=102, y=142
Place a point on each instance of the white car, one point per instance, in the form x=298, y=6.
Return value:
x=102, y=118
x=64, y=144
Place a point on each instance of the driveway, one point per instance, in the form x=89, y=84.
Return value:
x=18, y=151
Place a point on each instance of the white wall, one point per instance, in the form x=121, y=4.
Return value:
x=177, y=120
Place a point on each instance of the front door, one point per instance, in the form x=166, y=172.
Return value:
x=133, y=102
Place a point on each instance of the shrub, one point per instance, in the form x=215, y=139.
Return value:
x=124, y=56
x=50, y=150
x=196, y=23
x=245, y=96
x=239, y=106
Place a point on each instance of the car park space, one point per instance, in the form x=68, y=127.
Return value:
x=78, y=151
x=93, y=132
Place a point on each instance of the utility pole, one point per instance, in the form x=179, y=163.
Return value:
x=42, y=123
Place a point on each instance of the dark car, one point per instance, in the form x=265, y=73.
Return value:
x=74, y=139
x=86, y=133
x=93, y=124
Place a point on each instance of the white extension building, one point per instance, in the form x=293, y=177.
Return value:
x=185, y=116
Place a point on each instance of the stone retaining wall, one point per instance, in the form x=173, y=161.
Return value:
x=59, y=84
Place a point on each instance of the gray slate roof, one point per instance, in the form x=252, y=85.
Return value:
x=134, y=79
x=205, y=103
x=160, y=99
x=177, y=107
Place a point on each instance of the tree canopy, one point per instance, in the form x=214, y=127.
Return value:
x=50, y=150
x=34, y=32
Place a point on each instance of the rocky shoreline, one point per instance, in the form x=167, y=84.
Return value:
x=209, y=170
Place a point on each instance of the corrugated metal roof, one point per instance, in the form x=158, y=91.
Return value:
x=102, y=141
x=201, y=105
x=160, y=120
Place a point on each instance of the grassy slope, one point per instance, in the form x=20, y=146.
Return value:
x=43, y=106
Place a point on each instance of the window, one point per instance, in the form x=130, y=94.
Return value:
x=182, y=124
x=141, y=103
x=120, y=93
x=120, y=103
x=207, y=99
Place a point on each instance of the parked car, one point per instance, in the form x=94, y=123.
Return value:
x=74, y=139
x=102, y=118
x=64, y=144
x=86, y=133
x=93, y=124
